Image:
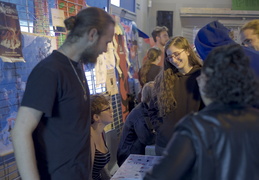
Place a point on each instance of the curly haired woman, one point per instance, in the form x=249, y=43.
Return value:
x=176, y=89
x=221, y=141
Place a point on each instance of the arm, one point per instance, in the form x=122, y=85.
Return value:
x=26, y=121
x=176, y=161
x=92, y=150
x=145, y=135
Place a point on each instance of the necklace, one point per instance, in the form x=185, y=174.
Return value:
x=85, y=96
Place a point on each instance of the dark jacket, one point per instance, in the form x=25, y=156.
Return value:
x=221, y=142
x=135, y=135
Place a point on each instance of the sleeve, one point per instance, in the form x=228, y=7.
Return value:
x=177, y=159
x=145, y=135
x=40, y=92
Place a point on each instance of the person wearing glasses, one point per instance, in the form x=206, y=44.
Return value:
x=101, y=115
x=51, y=135
x=249, y=34
x=215, y=34
x=220, y=142
x=176, y=89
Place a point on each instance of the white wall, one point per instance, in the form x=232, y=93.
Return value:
x=184, y=26
x=142, y=13
x=146, y=16
x=175, y=5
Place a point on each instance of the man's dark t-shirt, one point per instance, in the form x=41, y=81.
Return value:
x=62, y=137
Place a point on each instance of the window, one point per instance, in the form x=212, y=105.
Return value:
x=115, y=2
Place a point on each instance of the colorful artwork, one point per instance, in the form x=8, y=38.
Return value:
x=71, y=8
x=100, y=70
x=122, y=68
x=41, y=14
x=111, y=82
x=131, y=34
x=10, y=33
x=13, y=78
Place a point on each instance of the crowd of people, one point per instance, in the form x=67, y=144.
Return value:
x=199, y=109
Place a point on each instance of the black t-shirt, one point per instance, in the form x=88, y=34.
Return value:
x=187, y=95
x=62, y=137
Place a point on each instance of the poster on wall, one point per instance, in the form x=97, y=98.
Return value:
x=131, y=42
x=41, y=26
x=111, y=82
x=13, y=78
x=100, y=70
x=122, y=67
x=250, y=5
x=10, y=34
x=105, y=61
x=58, y=18
x=71, y=8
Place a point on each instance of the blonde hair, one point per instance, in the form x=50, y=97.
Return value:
x=254, y=25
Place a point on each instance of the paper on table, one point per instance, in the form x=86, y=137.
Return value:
x=135, y=167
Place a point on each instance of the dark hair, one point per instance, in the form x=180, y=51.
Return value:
x=230, y=79
x=98, y=101
x=156, y=32
x=85, y=20
x=152, y=55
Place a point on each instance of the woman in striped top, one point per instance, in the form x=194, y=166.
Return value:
x=101, y=114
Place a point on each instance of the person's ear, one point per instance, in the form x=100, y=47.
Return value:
x=157, y=37
x=96, y=117
x=187, y=51
x=93, y=35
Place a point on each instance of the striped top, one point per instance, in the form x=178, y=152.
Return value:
x=100, y=160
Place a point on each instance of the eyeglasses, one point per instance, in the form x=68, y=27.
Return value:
x=247, y=42
x=106, y=109
x=174, y=55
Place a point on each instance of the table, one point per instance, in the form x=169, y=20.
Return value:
x=135, y=167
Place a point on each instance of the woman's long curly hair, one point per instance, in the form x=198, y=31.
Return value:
x=152, y=55
x=164, y=87
x=230, y=79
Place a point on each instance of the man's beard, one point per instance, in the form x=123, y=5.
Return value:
x=90, y=54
